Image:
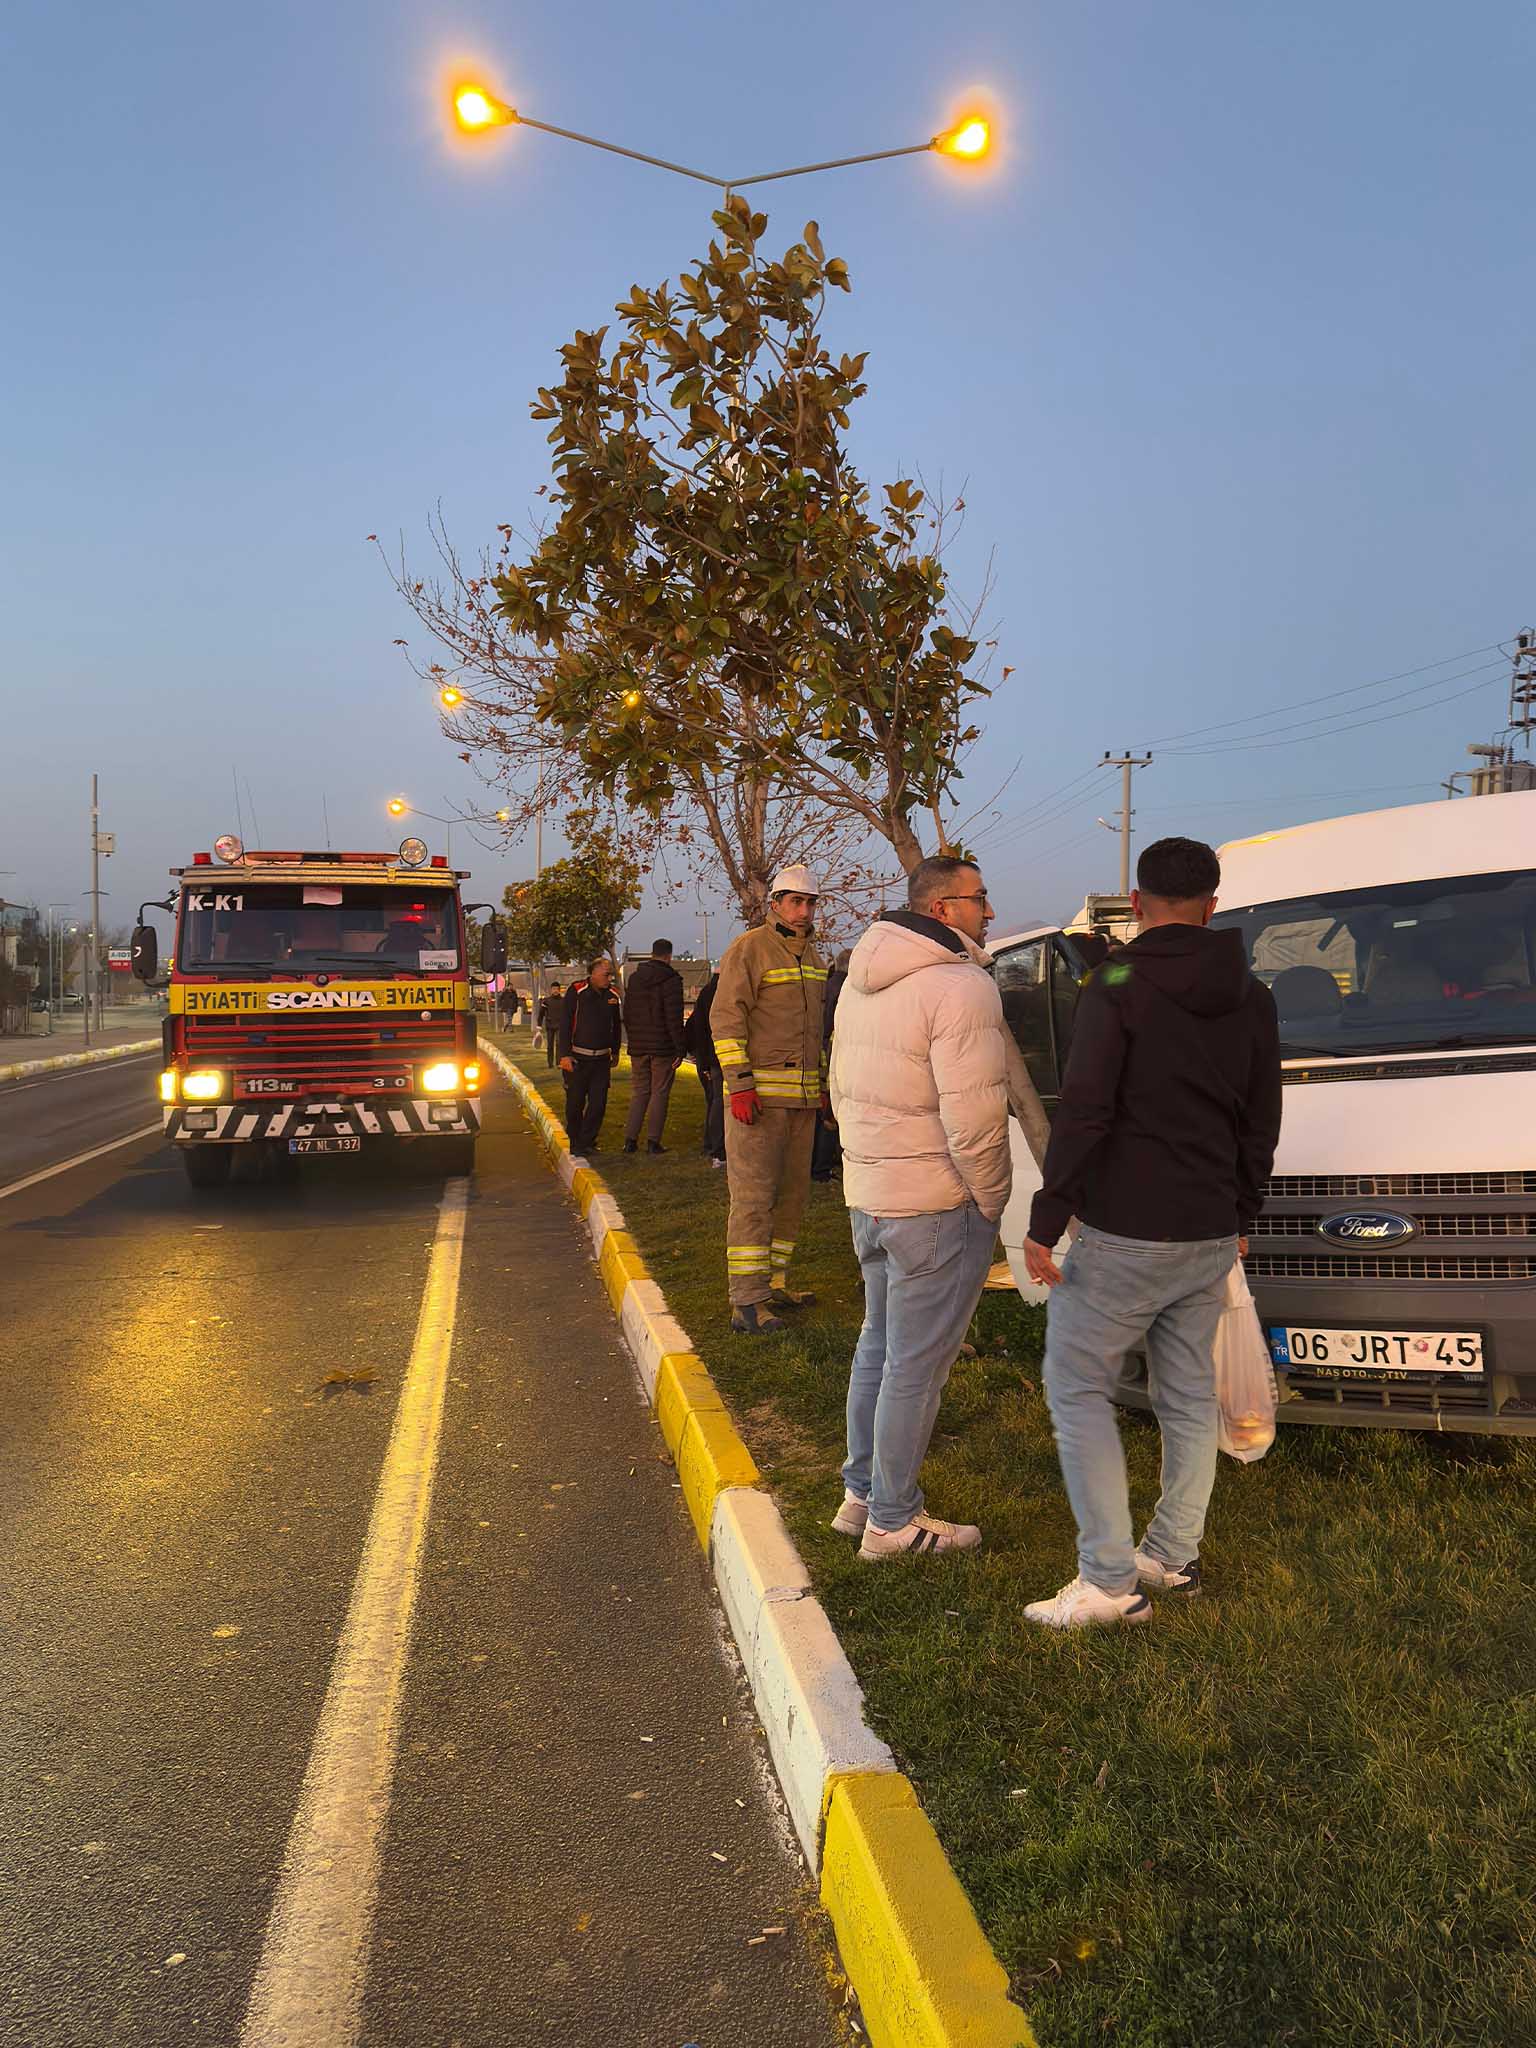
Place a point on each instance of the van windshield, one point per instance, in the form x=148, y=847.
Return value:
x=1420, y=964
x=359, y=927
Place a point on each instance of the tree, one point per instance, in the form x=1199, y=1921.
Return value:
x=722, y=626
x=574, y=909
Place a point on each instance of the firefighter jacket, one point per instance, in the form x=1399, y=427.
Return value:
x=766, y=1019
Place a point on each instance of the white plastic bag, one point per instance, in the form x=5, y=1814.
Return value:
x=1245, y=1379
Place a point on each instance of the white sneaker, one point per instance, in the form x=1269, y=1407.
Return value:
x=851, y=1516
x=1080, y=1605
x=924, y=1536
x=1171, y=1578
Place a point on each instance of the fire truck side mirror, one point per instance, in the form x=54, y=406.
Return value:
x=144, y=952
x=493, y=947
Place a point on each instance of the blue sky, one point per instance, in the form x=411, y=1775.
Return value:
x=1231, y=355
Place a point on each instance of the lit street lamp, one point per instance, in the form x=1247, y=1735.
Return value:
x=477, y=111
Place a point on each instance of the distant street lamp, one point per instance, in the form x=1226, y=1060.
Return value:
x=477, y=110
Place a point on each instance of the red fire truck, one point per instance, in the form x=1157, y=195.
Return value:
x=318, y=1003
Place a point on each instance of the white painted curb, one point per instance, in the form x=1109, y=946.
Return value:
x=807, y=1697
x=19, y=1070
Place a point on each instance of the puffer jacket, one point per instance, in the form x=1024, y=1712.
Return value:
x=919, y=1073
x=767, y=1015
x=653, y=1009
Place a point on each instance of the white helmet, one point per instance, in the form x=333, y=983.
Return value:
x=796, y=881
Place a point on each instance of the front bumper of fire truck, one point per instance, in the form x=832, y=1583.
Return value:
x=321, y=1116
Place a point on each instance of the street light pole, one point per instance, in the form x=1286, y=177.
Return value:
x=476, y=109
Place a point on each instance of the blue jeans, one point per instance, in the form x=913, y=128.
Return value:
x=1116, y=1295
x=922, y=1280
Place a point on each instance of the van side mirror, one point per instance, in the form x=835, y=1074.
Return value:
x=493, y=947
x=144, y=952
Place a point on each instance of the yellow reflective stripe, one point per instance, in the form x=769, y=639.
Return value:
x=777, y=975
x=730, y=1049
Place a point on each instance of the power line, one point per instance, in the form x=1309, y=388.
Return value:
x=1329, y=696
x=1331, y=732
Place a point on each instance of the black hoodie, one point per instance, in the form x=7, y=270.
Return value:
x=1170, y=1106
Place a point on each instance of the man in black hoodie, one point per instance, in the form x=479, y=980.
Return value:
x=653, y=1024
x=1170, y=1110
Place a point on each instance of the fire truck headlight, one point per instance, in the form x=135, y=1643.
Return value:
x=471, y=1076
x=168, y=1085
x=205, y=1086
x=441, y=1078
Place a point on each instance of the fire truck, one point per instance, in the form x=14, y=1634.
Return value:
x=318, y=1003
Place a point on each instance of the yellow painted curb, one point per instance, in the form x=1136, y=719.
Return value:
x=682, y=1385
x=619, y=1262
x=909, y=1938
x=710, y=1457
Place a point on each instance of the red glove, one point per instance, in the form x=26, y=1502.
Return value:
x=744, y=1106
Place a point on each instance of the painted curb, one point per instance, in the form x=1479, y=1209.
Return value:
x=19, y=1070
x=914, y=1951
x=893, y=1898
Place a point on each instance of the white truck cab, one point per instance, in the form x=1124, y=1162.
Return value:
x=1394, y=1265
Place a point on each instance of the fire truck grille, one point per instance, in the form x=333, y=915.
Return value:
x=343, y=1048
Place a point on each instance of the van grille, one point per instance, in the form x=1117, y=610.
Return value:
x=1432, y=1223
x=1262, y=1265
x=1347, y=1187
x=1398, y=1397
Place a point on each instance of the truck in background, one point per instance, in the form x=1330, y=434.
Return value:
x=318, y=1003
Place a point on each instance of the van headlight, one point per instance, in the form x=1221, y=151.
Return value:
x=207, y=1084
x=441, y=1078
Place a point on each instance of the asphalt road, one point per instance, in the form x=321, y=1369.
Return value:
x=579, y=1840
x=52, y=1117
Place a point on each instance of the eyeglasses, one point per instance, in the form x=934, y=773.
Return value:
x=983, y=897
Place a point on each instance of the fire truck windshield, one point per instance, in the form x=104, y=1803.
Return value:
x=232, y=926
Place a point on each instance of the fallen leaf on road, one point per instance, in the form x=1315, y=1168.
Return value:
x=221, y=1634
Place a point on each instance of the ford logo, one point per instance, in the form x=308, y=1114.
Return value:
x=1366, y=1226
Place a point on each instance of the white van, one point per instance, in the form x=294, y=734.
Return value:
x=1394, y=1266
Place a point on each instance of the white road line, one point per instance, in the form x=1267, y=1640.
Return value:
x=10, y=1088
x=308, y=1991
x=80, y=1158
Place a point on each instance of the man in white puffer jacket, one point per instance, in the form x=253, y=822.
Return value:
x=919, y=1090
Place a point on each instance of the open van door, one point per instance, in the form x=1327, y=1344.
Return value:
x=1039, y=977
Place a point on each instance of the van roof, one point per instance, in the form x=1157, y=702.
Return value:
x=1484, y=835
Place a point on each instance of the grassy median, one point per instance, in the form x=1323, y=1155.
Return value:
x=1299, y=1810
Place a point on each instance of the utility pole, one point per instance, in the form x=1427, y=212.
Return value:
x=90, y=951
x=1125, y=763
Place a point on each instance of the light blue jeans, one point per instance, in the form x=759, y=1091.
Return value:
x=922, y=1280
x=1116, y=1295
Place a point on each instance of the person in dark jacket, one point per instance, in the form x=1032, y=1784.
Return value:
x=701, y=1049
x=827, y=1152
x=547, y=1017
x=591, y=1039
x=653, y=1024
x=1162, y=1145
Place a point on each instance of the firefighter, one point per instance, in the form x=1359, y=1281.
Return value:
x=766, y=1022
